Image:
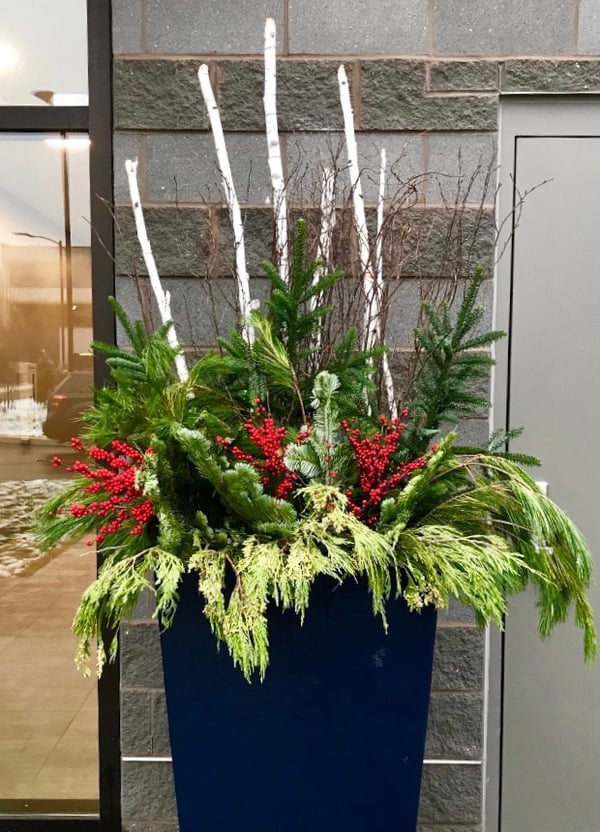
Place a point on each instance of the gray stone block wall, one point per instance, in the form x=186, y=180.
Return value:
x=426, y=76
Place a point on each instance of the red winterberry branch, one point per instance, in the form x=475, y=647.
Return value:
x=378, y=475
x=269, y=439
x=114, y=478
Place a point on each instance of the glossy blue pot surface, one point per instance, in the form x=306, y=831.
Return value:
x=331, y=741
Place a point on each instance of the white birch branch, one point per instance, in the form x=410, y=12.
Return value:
x=274, y=150
x=235, y=214
x=163, y=298
x=387, y=375
x=327, y=226
x=371, y=311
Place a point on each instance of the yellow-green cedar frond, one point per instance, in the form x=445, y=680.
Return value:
x=327, y=541
x=114, y=595
x=478, y=570
x=366, y=552
x=499, y=498
x=553, y=545
x=210, y=566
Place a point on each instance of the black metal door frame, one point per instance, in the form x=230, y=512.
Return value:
x=96, y=120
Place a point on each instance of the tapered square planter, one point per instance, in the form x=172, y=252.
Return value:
x=331, y=741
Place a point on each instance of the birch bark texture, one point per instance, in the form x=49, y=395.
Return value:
x=385, y=366
x=327, y=212
x=372, y=311
x=163, y=298
x=274, y=151
x=233, y=205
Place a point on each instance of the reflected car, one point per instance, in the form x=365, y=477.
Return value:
x=66, y=403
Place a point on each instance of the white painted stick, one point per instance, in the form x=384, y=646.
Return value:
x=235, y=214
x=387, y=375
x=274, y=150
x=327, y=226
x=379, y=240
x=358, y=204
x=163, y=298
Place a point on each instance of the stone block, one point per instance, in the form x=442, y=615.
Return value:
x=550, y=76
x=126, y=26
x=148, y=826
x=509, y=27
x=161, y=743
x=387, y=83
x=184, y=168
x=212, y=26
x=309, y=153
x=146, y=603
x=258, y=237
x=463, y=76
x=451, y=794
x=458, y=661
x=455, y=726
x=125, y=146
x=447, y=828
x=403, y=308
x=136, y=723
x=436, y=242
x=180, y=239
x=141, y=659
x=307, y=95
x=336, y=26
x=462, y=168
x=393, y=98
x=157, y=95
x=475, y=432
x=202, y=310
x=456, y=614
x=147, y=792
x=588, y=41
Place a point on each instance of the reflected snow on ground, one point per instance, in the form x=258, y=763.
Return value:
x=22, y=417
x=19, y=501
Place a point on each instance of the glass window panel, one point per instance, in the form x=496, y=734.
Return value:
x=48, y=710
x=43, y=46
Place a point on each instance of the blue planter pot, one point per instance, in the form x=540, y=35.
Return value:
x=332, y=741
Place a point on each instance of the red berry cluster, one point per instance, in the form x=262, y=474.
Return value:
x=270, y=440
x=377, y=474
x=114, y=478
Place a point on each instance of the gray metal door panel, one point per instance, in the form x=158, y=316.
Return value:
x=551, y=730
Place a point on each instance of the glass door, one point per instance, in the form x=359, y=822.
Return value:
x=48, y=710
x=58, y=769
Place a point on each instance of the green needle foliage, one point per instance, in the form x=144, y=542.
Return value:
x=253, y=497
x=455, y=358
x=281, y=365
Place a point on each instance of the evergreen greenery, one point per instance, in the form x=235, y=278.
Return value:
x=248, y=470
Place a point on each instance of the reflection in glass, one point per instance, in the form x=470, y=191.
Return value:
x=48, y=711
x=43, y=46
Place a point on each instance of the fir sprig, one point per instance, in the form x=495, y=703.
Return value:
x=454, y=358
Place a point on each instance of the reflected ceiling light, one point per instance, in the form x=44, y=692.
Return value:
x=9, y=57
x=70, y=143
x=71, y=99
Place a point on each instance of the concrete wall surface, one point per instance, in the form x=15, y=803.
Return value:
x=426, y=79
